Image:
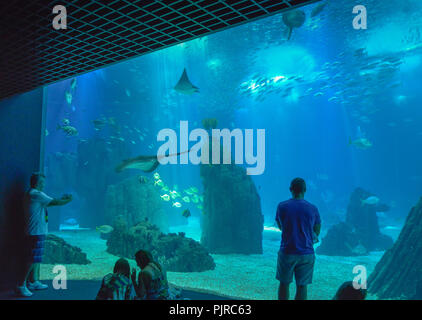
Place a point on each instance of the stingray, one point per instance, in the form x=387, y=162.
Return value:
x=144, y=163
x=184, y=85
x=294, y=19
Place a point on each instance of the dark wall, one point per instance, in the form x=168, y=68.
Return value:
x=21, y=138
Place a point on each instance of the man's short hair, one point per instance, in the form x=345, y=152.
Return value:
x=298, y=186
x=35, y=177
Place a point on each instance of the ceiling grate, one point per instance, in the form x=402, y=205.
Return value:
x=100, y=33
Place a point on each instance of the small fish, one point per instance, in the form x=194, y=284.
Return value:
x=73, y=84
x=159, y=183
x=99, y=124
x=69, y=130
x=68, y=97
x=65, y=122
x=46, y=133
x=195, y=198
x=194, y=189
x=370, y=200
x=128, y=92
x=200, y=206
x=177, y=204
x=186, y=199
x=165, y=197
x=71, y=221
x=361, y=143
x=143, y=179
x=165, y=189
x=104, y=229
x=186, y=213
x=156, y=176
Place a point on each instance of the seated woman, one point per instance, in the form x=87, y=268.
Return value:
x=348, y=292
x=152, y=280
x=117, y=285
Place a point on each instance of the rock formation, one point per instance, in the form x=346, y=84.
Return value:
x=341, y=240
x=59, y=251
x=398, y=273
x=232, y=221
x=360, y=234
x=135, y=201
x=173, y=251
x=363, y=218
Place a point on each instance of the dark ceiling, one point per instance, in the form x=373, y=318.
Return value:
x=99, y=33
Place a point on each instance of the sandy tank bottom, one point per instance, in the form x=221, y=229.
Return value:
x=235, y=275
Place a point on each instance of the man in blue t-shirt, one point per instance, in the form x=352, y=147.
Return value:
x=300, y=224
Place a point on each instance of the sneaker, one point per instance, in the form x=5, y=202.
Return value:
x=23, y=291
x=37, y=285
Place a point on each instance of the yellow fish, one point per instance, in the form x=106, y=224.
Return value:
x=159, y=183
x=104, y=229
x=165, y=197
x=177, y=204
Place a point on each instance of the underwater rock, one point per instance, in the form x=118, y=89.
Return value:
x=363, y=218
x=135, y=201
x=59, y=251
x=341, y=240
x=232, y=221
x=360, y=234
x=175, y=252
x=398, y=273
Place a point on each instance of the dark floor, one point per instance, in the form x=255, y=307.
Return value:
x=87, y=290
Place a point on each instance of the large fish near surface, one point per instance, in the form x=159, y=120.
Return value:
x=144, y=163
x=318, y=9
x=184, y=85
x=294, y=19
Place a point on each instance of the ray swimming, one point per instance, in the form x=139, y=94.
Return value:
x=144, y=163
x=184, y=85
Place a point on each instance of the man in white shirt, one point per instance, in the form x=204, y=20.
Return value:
x=36, y=202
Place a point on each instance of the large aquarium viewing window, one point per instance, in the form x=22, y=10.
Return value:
x=296, y=94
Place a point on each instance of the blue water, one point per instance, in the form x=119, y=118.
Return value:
x=334, y=84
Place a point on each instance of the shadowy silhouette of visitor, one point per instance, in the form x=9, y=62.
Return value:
x=117, y=285
x=35, y=203
x=152, y=280
x=348, y=292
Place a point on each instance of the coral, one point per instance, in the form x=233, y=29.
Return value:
x=232, y=219
x=59, y=251
x=175, y=252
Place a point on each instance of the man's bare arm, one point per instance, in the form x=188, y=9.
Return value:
x=60, y=202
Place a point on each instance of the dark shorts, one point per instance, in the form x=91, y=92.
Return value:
x=302, y=266
x=36, y=248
